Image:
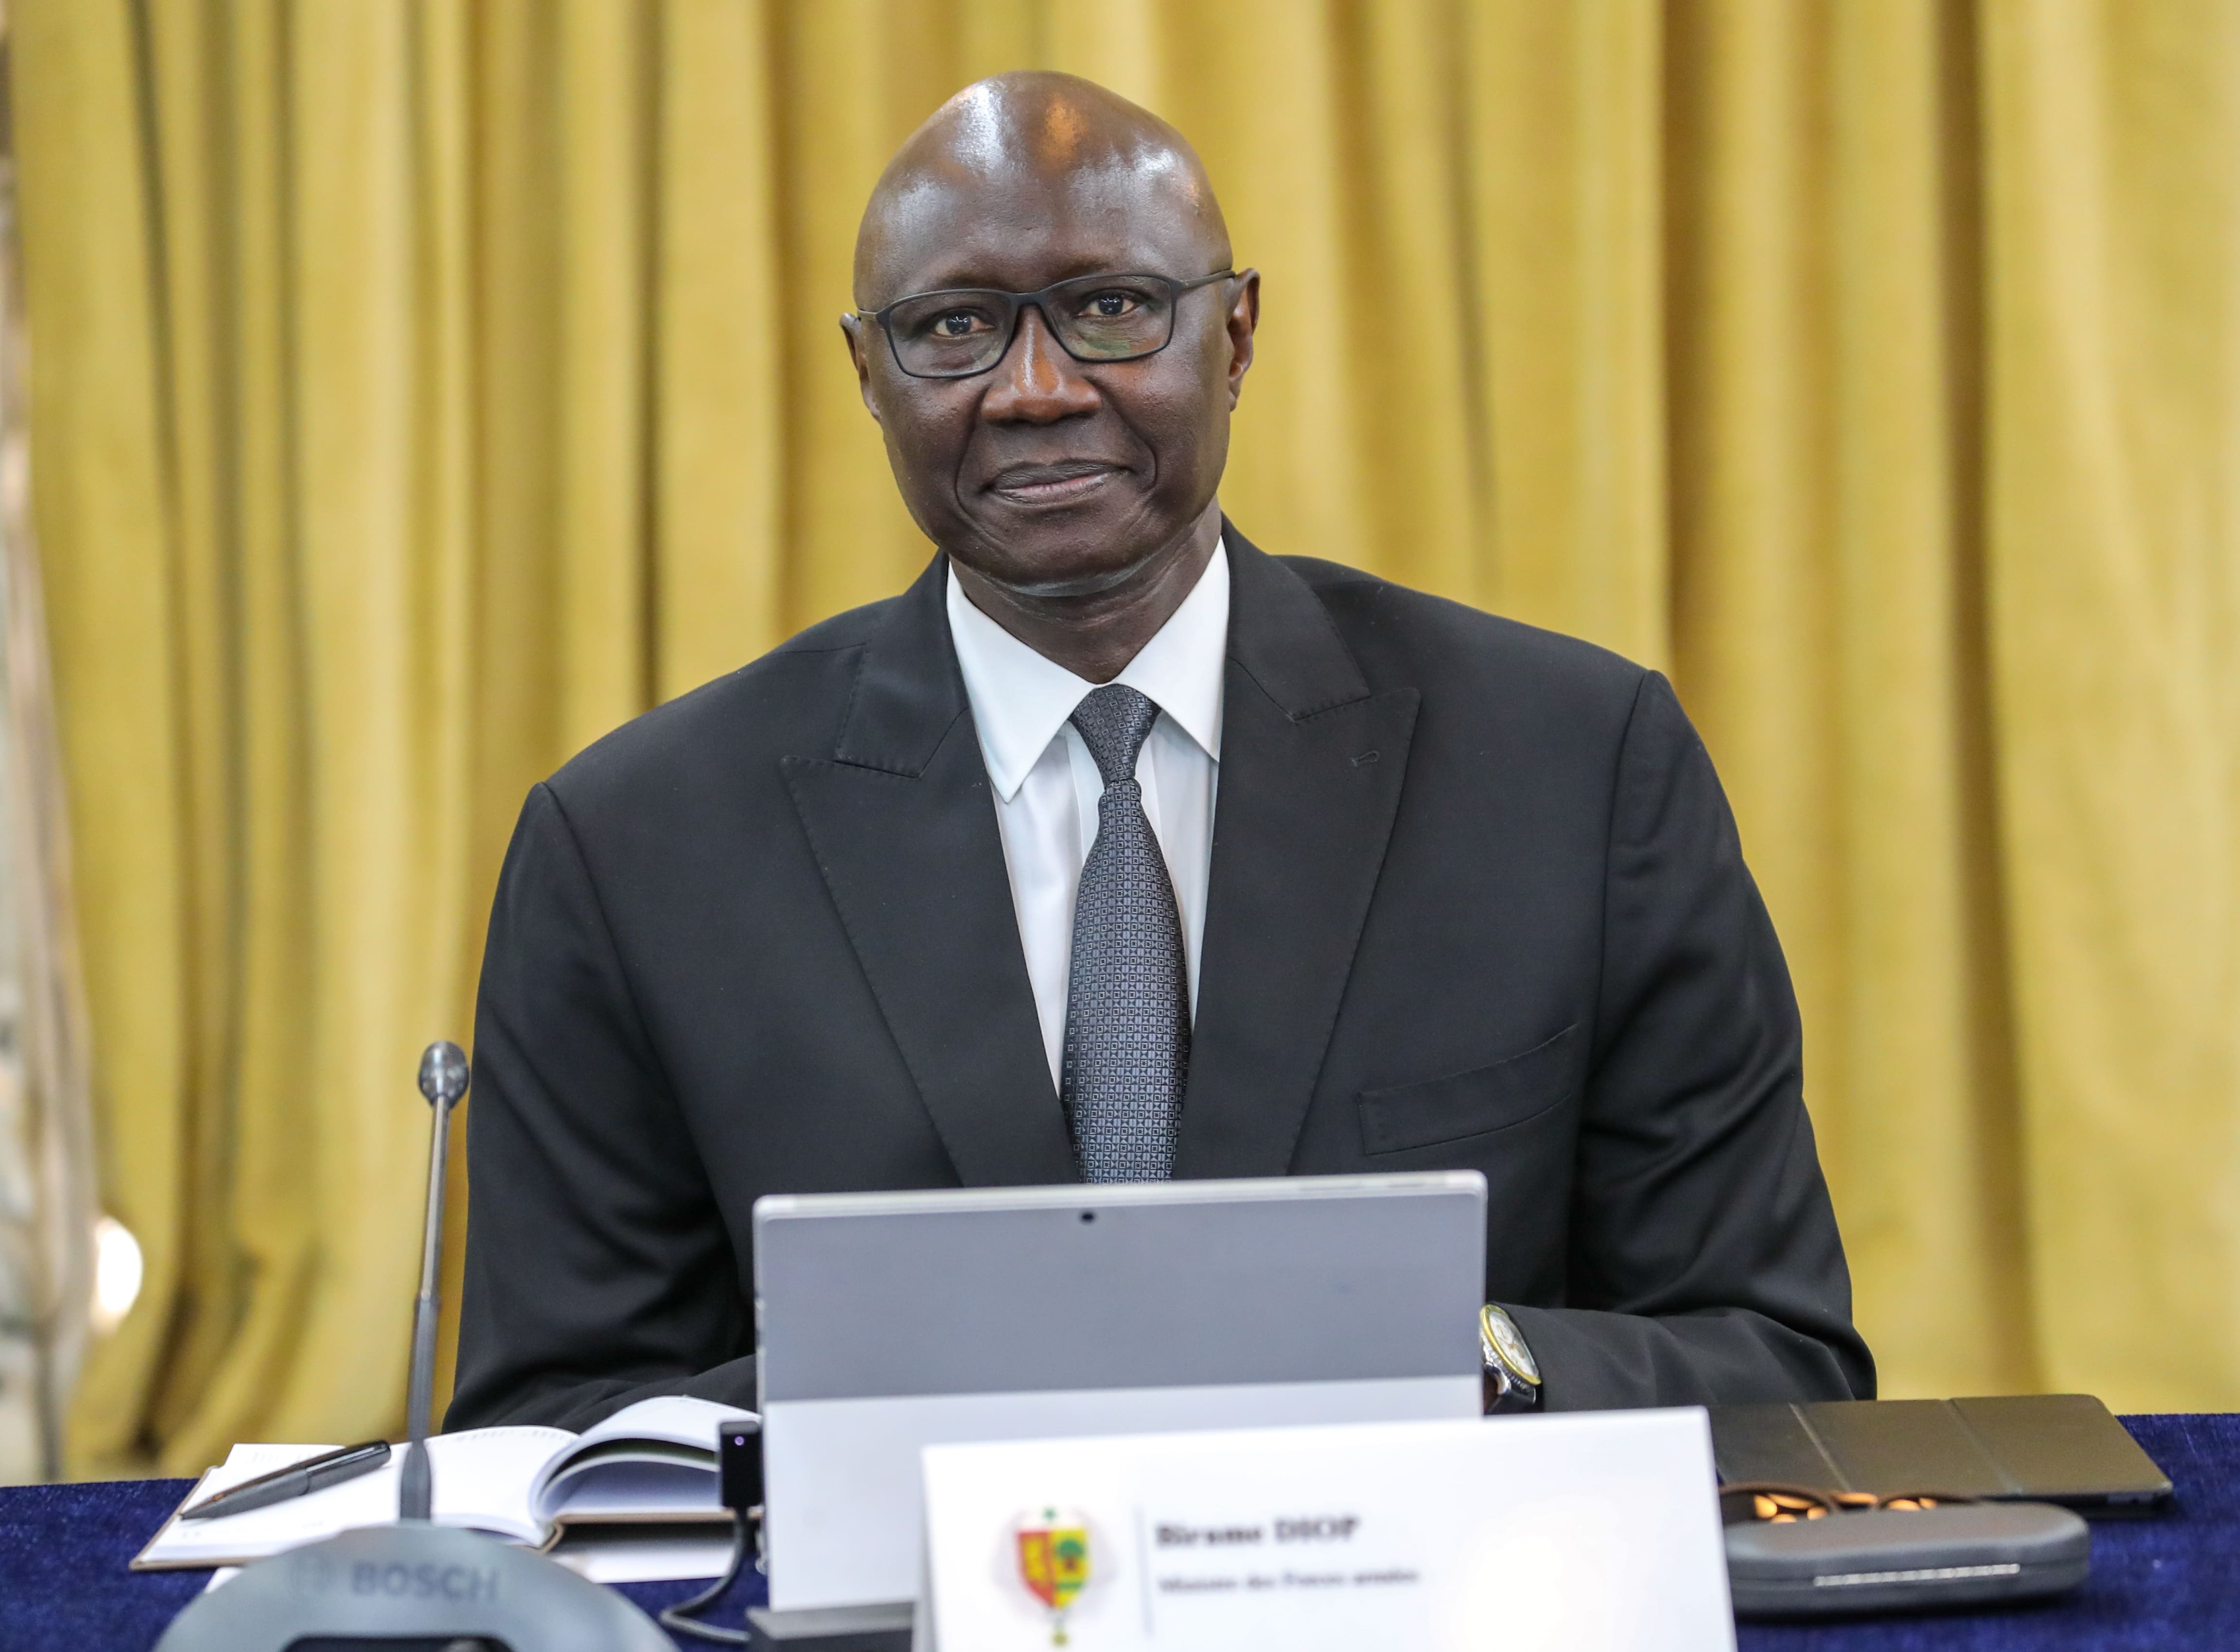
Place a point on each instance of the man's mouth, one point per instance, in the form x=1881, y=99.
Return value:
x=1051, y=485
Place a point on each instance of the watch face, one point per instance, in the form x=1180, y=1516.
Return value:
x=1500, y=1332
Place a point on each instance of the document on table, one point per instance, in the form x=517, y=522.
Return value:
x=623, y=1555
x=1594, y=1533
x=618, y=1488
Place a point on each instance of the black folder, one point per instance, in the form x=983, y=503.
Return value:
x=2042, y=1447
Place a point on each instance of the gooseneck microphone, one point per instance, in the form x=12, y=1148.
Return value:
x=443, y=1081
x=415, y=1582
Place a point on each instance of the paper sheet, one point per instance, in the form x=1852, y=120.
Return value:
x=482, y=1479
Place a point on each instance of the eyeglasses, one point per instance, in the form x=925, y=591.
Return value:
x=1779, y=1504
x=963, y=330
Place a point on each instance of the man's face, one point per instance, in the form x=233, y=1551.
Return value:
x=1047, y=475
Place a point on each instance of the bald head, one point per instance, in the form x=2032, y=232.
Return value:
x=1074, y=494
x=1019, y=150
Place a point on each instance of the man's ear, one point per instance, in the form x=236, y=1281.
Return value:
x=854, y=328
x=1242, y=322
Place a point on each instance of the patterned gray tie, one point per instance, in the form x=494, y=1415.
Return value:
x=1127, y=1004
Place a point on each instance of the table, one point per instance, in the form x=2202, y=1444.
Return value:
x=2172, y=1582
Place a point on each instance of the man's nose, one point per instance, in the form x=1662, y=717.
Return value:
x=1036, y=383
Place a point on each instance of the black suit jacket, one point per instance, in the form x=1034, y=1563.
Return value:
x=1475, y=902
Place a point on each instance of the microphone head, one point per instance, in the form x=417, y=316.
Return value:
x=443, y=1072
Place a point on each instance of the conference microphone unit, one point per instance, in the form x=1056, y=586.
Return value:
x=414, y=1585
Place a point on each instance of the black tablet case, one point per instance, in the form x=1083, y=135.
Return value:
x=2044, y=1447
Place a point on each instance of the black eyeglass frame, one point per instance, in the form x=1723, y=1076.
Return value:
x=1020, y=302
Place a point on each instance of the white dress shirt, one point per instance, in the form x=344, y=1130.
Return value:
x=1047, y=784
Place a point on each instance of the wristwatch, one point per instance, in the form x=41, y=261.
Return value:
x=1512, y=1376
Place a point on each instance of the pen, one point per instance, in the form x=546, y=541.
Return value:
x=314, y=1474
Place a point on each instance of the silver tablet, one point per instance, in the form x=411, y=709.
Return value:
x=890, y=1322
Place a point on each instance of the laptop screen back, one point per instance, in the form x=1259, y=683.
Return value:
x=890, y=1322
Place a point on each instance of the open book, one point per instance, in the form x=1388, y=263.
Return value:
x=651, y=1463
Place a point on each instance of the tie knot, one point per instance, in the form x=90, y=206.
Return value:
x=1115, y=721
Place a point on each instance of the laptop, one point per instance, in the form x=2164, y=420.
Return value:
x=890, y=1322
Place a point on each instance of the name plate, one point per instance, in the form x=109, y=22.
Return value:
x=1595, y=1532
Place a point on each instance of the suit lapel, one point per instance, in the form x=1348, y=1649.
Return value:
x=903, y=825
x=1311, y=769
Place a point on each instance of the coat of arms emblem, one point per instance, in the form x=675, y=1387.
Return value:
x=1054, y=1563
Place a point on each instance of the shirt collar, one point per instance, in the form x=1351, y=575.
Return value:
x=1021, y=700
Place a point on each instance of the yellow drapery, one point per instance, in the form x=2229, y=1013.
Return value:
x=420, y=389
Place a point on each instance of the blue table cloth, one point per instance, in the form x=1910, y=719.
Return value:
x=2164, y=1582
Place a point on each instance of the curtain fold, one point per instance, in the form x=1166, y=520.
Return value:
x=418, y=391
x=2114, y=521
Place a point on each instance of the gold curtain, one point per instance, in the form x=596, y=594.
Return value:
x=420, y=389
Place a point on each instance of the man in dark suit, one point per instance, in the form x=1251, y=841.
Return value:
x=1115, y=848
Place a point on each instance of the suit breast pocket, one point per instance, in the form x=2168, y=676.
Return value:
x=1476, y=1102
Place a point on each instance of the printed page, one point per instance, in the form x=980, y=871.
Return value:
x=653, y=1460
x=481, y=1481
x=677, y=1418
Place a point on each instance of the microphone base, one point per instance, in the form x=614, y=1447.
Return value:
x=391, y=1583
